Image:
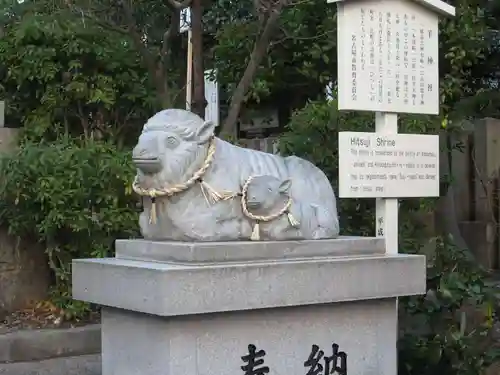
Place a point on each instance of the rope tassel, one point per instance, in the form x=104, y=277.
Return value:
x=152, y=214
x=210, y=194
x=256, y=232
x=293, y=221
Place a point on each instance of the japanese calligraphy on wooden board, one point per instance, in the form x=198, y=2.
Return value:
x=388, y=57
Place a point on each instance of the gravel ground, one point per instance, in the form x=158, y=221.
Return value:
x=83, y=365
x=42, y=315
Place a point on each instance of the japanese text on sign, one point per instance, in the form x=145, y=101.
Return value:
x=393, y=48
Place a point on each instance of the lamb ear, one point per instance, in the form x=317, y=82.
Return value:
x=205, y=132
x=285, y=186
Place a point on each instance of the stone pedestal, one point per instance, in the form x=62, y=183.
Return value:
x=198, y=308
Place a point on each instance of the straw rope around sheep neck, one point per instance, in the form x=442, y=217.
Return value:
x=210, y=194
x=264, y=218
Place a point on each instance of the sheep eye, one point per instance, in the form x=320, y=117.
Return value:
x=269, y=189
x=171, y=141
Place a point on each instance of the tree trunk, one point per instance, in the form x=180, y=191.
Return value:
x=258, y=53
x=199, y=102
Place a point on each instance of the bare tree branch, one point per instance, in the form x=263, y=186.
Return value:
x=297, y=3
x=179, y=5
x=258, y=53
x=156, y=75
x=165, y=58
x=156, y=62
x=308, y=38
x=108, y=24
x=171, y=33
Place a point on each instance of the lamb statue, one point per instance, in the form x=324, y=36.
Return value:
x=191, y=183
x=266, y=199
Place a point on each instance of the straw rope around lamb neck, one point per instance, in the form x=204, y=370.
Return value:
x=264, y=218
x=210, y=194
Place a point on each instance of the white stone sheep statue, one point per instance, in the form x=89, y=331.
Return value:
x=267, y=201
x=192, y=182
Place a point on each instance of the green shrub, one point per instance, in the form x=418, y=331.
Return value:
x=59, y=75
x=80, y=98
x=435, y=337
x=73, y=197
x=447, y=331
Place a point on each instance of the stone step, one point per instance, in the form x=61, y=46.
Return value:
x=38, y=345
x=82, y=365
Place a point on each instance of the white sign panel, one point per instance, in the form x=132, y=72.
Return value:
x=372, y=165
x=212, y=97
x=185, y=22
x=388, y=57
x=330, y=92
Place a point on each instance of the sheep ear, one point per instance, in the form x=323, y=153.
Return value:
x=285, y=186
x=205, y=132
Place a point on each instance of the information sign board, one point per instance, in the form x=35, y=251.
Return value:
x=373, y=165
x=388, y=57
x=212, y=97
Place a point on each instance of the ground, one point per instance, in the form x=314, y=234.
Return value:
x=32, y=340
x=42, y=315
